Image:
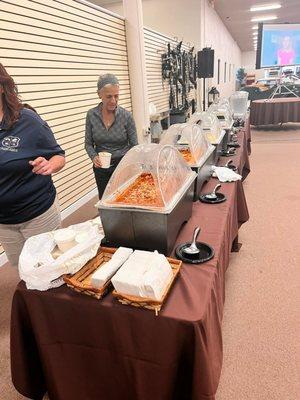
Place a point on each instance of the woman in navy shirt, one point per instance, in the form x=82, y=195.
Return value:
x=29, y=154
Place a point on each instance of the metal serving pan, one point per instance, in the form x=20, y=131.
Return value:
x=147, y=229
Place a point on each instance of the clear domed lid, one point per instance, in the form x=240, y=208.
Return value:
x=150, y=176
x=210, y=125
x=190, y=141
x=223, y=112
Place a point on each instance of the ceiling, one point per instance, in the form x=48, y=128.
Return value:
x=236, y=16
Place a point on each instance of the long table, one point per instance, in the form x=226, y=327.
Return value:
x=77, y=347
x=275, y=111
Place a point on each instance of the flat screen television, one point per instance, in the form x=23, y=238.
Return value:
x=278, y=45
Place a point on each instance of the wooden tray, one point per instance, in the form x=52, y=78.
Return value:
x=144, y=302
x=81, y=280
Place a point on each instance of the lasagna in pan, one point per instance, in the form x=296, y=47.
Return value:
x=141, y=192
x=187, y=155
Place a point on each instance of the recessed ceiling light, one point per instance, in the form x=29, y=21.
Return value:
x=254, y=34
x=255, y=27
x=264, y=18
x=266, y=7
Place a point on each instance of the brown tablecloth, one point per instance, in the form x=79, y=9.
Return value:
x=247, y=130
x=241, y=159
x=275, y=111
x=78, y=348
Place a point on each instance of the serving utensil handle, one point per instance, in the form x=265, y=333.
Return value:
x=195, y=235
x=217, y=187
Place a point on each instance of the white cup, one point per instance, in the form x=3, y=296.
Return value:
x=104, y=158
x=65, y=239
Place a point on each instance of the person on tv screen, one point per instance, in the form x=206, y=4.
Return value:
x=286, y=54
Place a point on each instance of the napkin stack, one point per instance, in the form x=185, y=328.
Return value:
x=107, y=270
x=144, y=274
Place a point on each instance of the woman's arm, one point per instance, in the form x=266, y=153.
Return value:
x=41, y=166
x=131, y=131
x=89, y=142
x=49, y=155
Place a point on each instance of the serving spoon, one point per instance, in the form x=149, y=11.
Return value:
x=212, y=195
x=193, y=249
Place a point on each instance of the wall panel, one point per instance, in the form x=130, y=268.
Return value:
x=55, y=51
x=158, y=89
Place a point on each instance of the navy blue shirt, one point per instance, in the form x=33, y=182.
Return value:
x=23, y=194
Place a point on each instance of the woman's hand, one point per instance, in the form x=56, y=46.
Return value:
x=96, y=162
x=41, y=166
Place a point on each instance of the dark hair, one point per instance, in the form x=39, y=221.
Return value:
x=26, y=105
x=10, y=98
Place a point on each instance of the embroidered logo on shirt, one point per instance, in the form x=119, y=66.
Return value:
x=10, y=143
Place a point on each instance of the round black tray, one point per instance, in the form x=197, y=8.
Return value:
x=238, y=123
x=225, y=154
x=206, y=253
x=232, y=167
x=233, y=144
x=220, y=198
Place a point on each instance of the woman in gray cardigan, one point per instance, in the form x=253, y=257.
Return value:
x=109, y=128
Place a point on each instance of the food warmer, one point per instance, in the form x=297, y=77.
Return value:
x=196, y=150
x=212, y=128
x=147, y=199
x=223, y=112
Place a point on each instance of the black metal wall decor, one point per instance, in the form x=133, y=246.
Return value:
x=180, y=69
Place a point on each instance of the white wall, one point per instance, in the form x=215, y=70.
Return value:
x=174, y=18
x=226, y=49
x=248, y=61
x=170, y=17
x=195, y=21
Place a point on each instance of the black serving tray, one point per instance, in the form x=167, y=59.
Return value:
x=231, y=166
x=206, y=253
x=220, y=198
x=228, y=154
x=233, y=144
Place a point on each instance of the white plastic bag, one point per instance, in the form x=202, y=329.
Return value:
x=41, y=271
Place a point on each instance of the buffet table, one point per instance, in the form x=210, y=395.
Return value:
x=241, y=160
x=77, y=347
x=275, y=111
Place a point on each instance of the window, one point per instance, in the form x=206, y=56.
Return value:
x=225, y=67
x=219, y=61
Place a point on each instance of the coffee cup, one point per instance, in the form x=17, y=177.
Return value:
x=104, y=158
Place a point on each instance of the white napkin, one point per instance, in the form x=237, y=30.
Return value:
x=107, y=270
x=145, y=274
x=225, y=174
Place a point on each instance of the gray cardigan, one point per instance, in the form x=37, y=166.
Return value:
x=117, y=140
